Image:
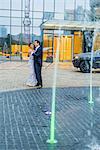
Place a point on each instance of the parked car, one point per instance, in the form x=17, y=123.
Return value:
x=83, y=61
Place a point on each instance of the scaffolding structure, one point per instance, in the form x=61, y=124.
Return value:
x=27, y=20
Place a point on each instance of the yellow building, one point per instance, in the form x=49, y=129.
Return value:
x=69, y=45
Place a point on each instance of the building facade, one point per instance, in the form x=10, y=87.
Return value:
x=18, y=15
x=95, y=9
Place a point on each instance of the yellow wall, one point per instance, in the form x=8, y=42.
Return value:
x=65, y=49
x=78, y=40
x=97, y=42
x=69, y=48
x=65, y=44
x=47, y=42
x=17, y=48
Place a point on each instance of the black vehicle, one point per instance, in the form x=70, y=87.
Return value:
x=83, y=61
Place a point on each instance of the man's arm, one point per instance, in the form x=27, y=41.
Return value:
x=38, y=52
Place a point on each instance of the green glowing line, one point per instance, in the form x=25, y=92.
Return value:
x=52, y=124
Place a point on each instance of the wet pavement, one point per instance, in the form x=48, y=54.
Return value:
x=25, y=126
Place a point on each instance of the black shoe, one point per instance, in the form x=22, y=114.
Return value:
x=37, y=84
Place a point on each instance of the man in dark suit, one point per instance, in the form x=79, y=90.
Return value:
x=38, y=63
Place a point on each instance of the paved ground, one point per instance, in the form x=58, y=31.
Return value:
x=24, y=125
x=13, y=75
x=23, y=122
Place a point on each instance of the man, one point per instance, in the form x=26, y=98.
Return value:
x=38, y=63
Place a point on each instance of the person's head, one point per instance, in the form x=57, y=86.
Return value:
x=30, y=45
x=36, y=43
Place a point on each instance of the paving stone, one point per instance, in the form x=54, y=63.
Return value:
x=25, y=126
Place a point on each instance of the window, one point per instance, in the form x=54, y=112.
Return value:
x=15, y=31
x=4, y=21
x=37, y=22
x=38, y=15
x=37, y=31
x=59, y=6
x=69, y=4
x=16, y=21
x=5, y=13
x=16, y=4
x=49, y=5
x=48, y=15
x=37, y=5
x=4, y=4
x=16, y=14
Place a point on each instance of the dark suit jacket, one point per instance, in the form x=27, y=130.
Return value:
x=38, y=56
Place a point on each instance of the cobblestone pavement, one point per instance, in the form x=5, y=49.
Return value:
x=24, y=124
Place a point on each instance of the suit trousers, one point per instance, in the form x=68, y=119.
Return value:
x=38, y=69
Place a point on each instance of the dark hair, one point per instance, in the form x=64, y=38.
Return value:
x=29, y=44
x=38, y=42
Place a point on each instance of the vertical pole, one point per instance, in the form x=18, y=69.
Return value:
x=53, y=45
x=74, y=10
x=32, y=18
x=85, y=11
x=64, y=9
x=10, y=27
x=53, y=33
x=42, y=30
x=54, y=8
x=21, y=35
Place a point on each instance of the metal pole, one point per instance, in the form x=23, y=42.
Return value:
x=10, y=27
x=74, y=10
x=85, y=11
x=32, y=19
x=42, y=31
x=21, y=35
x=54, y=8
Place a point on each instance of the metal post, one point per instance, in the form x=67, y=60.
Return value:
x=42, y=31
x=74, y=10
x=54, y=8
x=32, y=19
x=10, y=27
x=85, y=10
x=21, y=35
